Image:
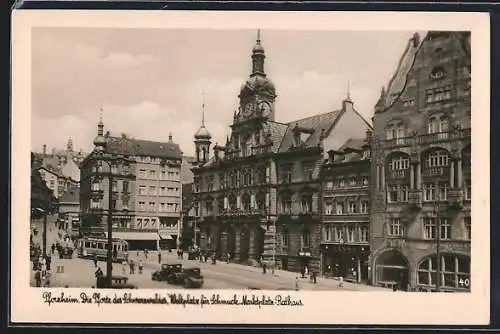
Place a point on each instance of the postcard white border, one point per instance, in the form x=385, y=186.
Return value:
x=337, y=307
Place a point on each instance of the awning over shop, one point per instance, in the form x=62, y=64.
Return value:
x=135, y=235
x=165, y=236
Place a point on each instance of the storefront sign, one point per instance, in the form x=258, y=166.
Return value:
x=304, y=253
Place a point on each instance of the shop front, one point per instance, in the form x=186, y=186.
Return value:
x=139, y=240
x=347, y=261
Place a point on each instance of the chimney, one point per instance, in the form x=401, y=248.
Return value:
x=170, y=137
x=107, y=134
x=44, y=149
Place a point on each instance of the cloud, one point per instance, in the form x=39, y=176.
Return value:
x=150, y=82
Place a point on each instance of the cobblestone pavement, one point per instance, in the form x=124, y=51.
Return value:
x=80, y=273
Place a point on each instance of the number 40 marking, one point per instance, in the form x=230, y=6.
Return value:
x=464, y=282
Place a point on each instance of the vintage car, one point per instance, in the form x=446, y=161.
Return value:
x=188, y=278
x=166, y=272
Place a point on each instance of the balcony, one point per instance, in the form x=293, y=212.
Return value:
x=415, y=198
x=396, y=142
x=455, y=197
x=435, y=172
x=261, y=149
x=437, y=137
x=400, y=174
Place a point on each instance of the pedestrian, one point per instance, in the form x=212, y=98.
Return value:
x=297, y=287
x=141, y=266
x=137, y=254
x=95, y=260
x=159, y=257
x=43, y=267
x=306, y=271
x=53, y=248
x=314, y=277
x=303, y=271
x=341, y=282
x=124, y=267
x=49, y=260
x=228, y=257
x=38, y=278
x=264, y=266
x=131, y=265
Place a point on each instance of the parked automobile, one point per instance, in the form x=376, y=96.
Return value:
x=166, y=272
x=188, y=278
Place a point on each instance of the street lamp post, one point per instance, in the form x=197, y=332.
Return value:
x=109, y=257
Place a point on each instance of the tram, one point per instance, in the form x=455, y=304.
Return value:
x=91, y=247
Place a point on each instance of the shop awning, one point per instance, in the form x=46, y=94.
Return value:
x=165, y=236
x=135, y=235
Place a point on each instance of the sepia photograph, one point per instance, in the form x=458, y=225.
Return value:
x=252, y=158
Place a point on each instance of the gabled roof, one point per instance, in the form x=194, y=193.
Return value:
x=70, y=196
x=51, y=170
x=351, y=150
x=277, y=132
x=315, y=123
x=139, y=147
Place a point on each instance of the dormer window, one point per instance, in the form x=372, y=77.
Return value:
x=408, y=103
x=437, y=73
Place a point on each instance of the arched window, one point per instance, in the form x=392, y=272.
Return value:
x=261, y=201
x=96, y=186
x=455, y=271
x=286, y=203
x=209, y=204
x=305, y=238
x=437, y=73
x=285, y=237
x=399, y=163
x=232, y=202
x=245, y=201
x=396, y=131
x=437, y=158
x=438, y=125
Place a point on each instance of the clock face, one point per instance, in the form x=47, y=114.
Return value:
x=248, y=109
x=265, y=108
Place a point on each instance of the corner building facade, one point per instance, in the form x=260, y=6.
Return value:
x=421, y=167
x=259, y=195
x=146, y=190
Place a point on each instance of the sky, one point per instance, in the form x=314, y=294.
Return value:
x=150, y=82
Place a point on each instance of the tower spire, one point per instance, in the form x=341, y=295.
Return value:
x=258, y=36
x=203, y=108
x=100, y=125
x=348, y=89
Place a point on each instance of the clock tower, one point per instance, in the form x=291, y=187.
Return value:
x=258, y=93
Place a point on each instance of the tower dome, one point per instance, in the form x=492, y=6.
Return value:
x=202, y=133
x=100, y=141
x=258, y=82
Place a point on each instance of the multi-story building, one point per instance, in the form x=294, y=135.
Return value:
x=69, y=211
x=421, y=180
x=346, y=220
x=146, y=189
x=259, y=195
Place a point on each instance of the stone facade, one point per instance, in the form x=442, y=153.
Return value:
x=146, y=190
x=258, y=196
x=421, y=167
x=346, y=222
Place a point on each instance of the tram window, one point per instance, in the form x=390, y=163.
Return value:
x=100, y=245
x=87, y=244
x=114, y=247
x=125, y=247
x=105, y=246
x=94, y=244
